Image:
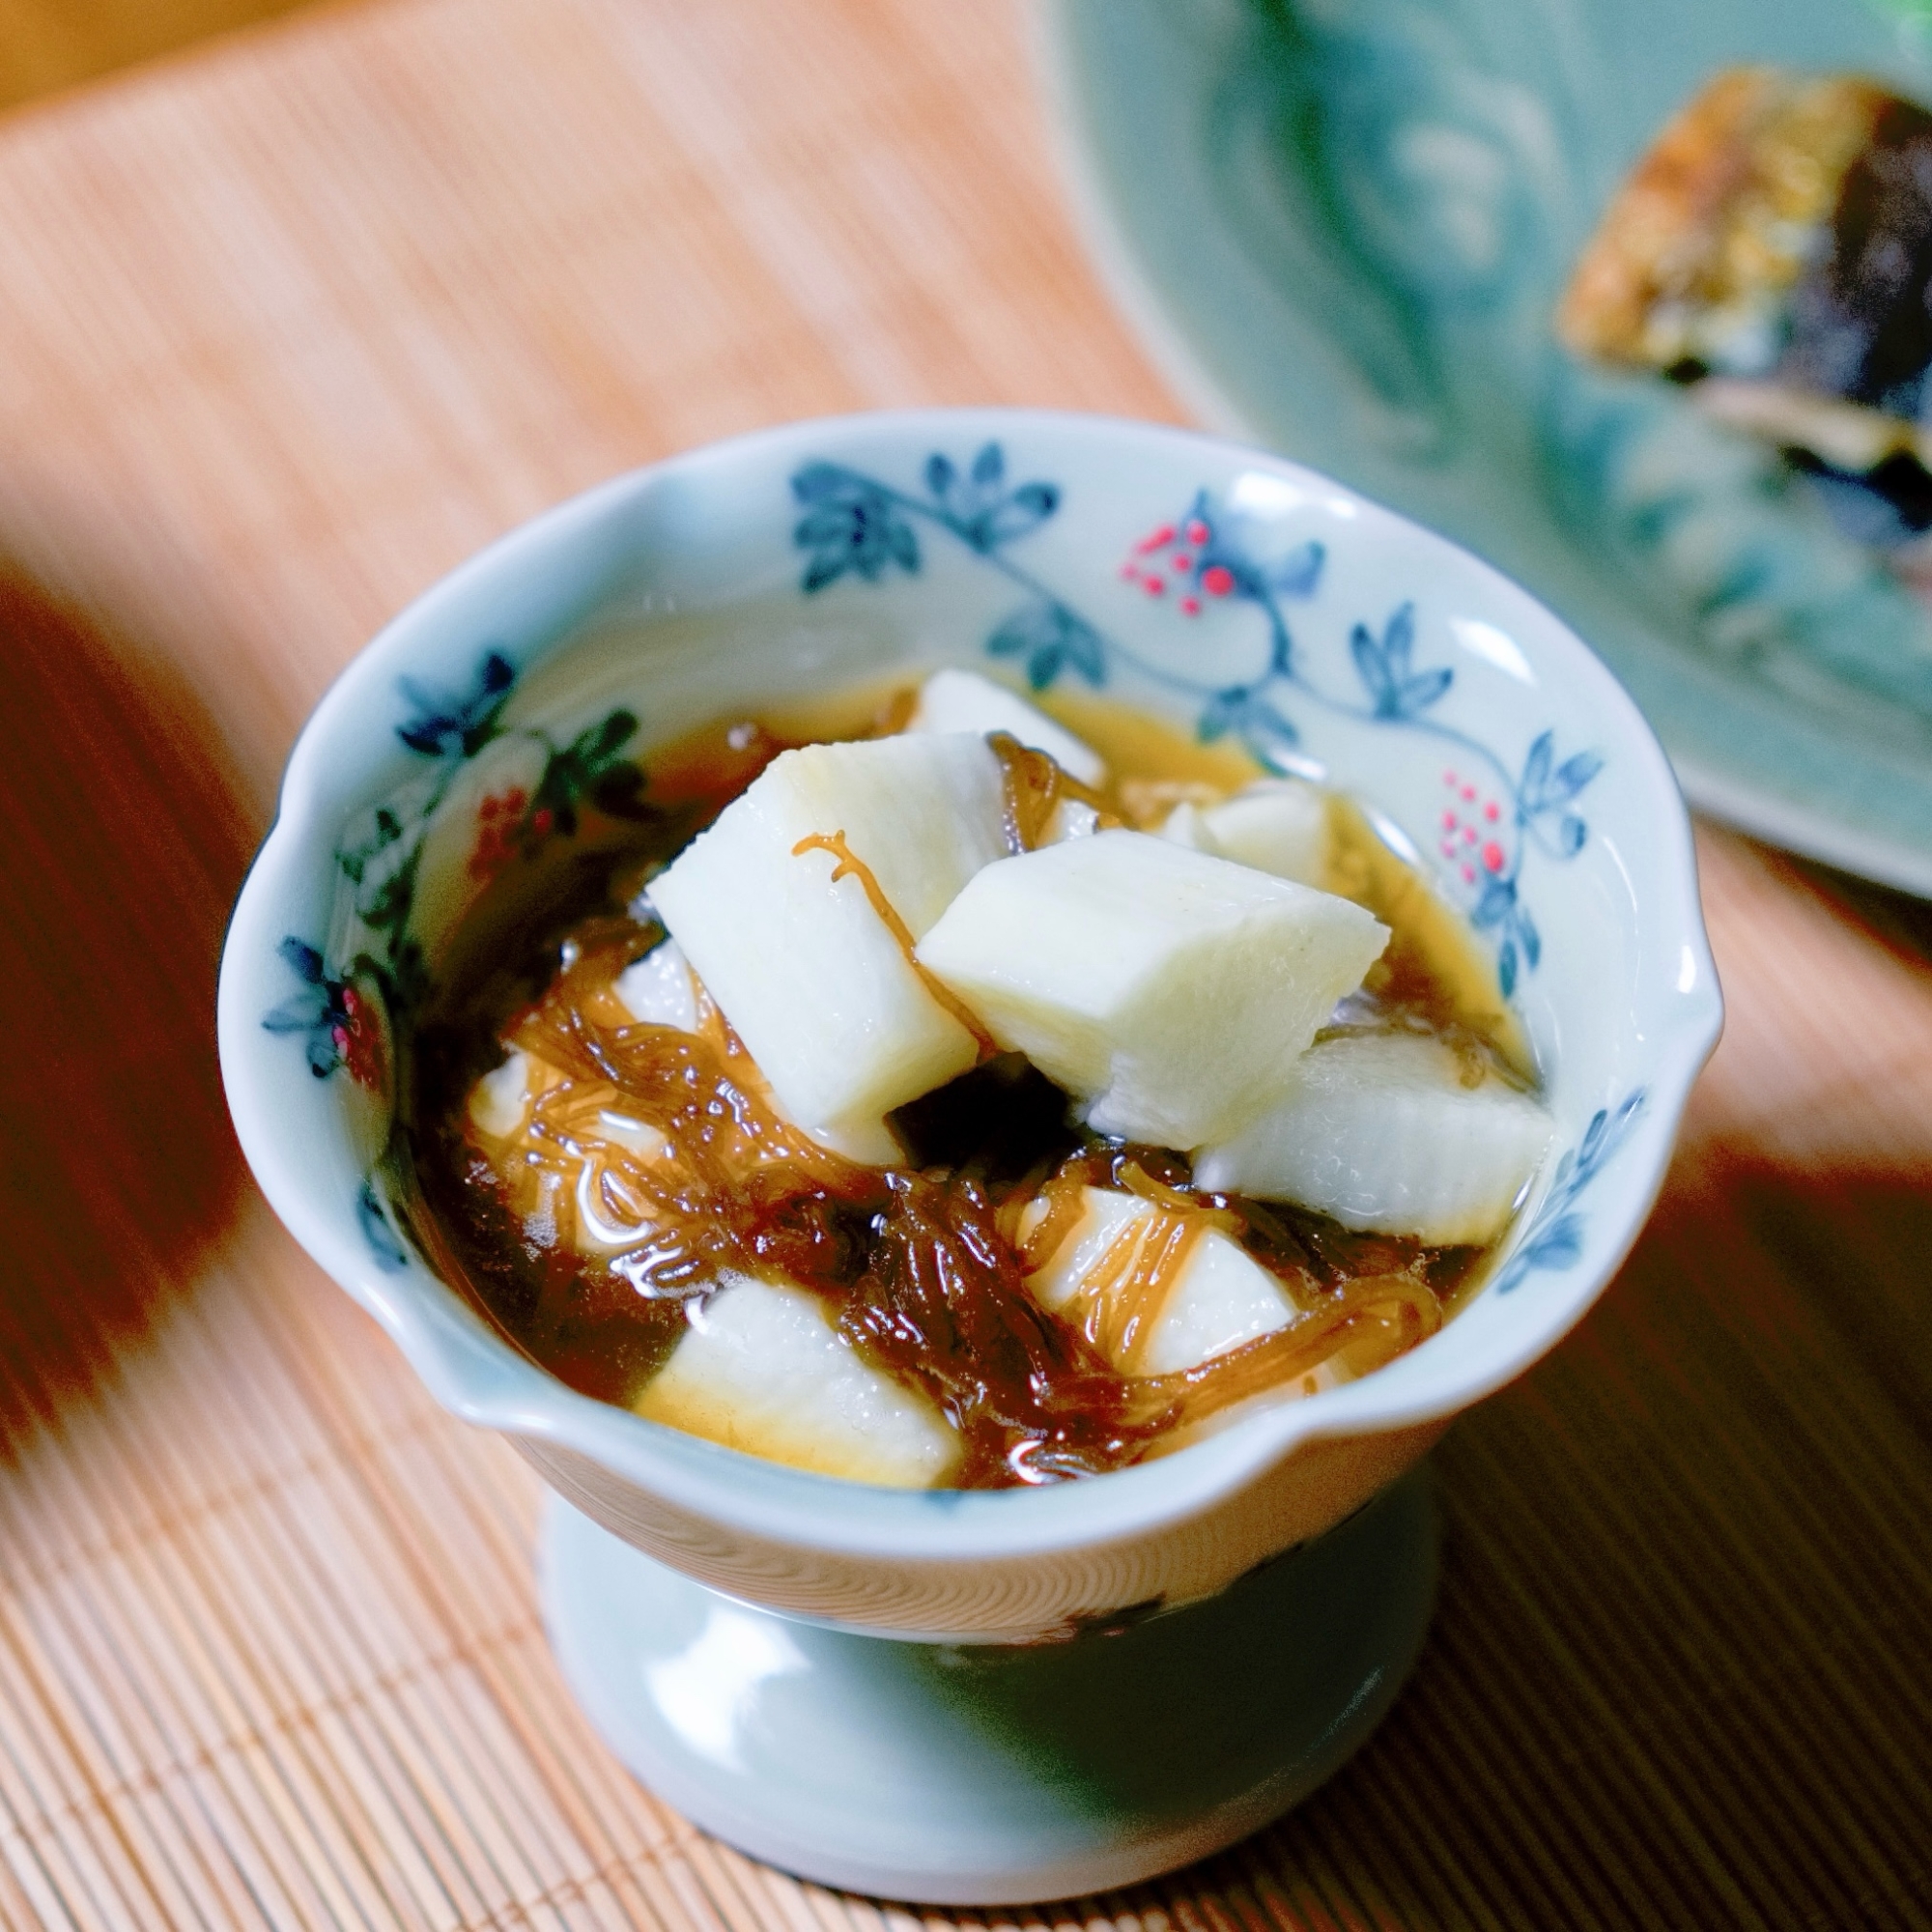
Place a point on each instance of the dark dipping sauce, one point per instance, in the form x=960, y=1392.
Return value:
x=921, y=1267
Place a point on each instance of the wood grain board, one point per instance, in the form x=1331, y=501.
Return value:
x=287, y=329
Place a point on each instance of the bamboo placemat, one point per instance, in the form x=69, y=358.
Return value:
x=286, y=330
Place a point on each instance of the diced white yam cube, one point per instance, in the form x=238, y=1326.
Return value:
x=1069, y=818
x=499, y=1103
x=961, y=700
x=1223, y=1299
x=1220, y=1299
x=810, y=975
x=1170, y=991
x=1187, y=825
x=657, y=991
x=1278, y=826
x=762, y=1370
x=1104, y=1212
x=1379, y=1131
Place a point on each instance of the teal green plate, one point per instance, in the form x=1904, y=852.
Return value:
x=1342, y=225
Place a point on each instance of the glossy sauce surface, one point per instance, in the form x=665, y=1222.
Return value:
x=663, y=1149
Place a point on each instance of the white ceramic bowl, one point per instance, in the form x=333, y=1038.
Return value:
x=1335, y=637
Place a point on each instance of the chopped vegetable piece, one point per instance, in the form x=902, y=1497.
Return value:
x=1385, y=1131
x=1279, y=826
x=1216, y=1299
x=762, y=1370
x=658, y=989
x=803, y=964
x=961, y=700
x=1170, y=991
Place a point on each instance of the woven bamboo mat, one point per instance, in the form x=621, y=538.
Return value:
x=287, y=329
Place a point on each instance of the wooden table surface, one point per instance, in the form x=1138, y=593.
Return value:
x=288, y=329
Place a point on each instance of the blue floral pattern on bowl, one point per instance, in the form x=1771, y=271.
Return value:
x=450, y=728
x=1554, y=1236
x=861, y=526
x=335, y=1013
x=333, y=1019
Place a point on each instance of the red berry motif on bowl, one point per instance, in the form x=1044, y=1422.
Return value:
x=1191, y=564
x=357, y=1039
x=1471, y=819
x=340, y=1023
x=591, y=770
x=1176, y=558
x=499, y=823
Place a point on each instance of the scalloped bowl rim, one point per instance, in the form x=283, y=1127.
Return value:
x=482, y=1379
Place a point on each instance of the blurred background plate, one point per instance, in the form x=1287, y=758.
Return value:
x=1342, y=225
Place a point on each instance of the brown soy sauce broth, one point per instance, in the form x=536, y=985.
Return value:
x=923, y=1267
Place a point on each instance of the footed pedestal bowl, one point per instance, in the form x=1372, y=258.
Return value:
x=986, y=1696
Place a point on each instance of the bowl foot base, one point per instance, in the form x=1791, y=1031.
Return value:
x=971, y=1775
